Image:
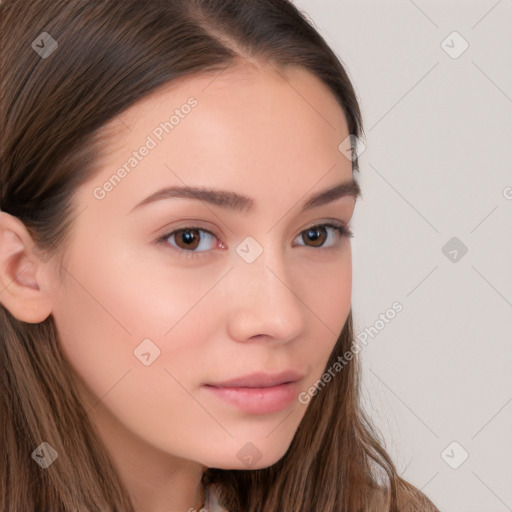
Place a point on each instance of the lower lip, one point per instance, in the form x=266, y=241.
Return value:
x=259, y=400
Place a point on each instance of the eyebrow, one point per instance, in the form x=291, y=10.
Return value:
x=237, y=202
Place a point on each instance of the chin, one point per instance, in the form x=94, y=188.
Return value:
x=248, y=456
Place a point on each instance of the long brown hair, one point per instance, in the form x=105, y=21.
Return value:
x=111, y=54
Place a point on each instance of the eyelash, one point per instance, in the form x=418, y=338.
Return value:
x=343, y=230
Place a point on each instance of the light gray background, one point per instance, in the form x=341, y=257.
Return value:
x=436, y=166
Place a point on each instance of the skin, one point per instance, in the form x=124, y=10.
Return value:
x=273, y=137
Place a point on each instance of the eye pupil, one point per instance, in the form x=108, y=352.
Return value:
x=188, y=237
x=313, y=233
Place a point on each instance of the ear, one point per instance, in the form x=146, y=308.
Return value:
x=24, y=273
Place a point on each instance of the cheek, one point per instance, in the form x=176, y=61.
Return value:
x=109, y=306
x=105, y=312
x=327, y=292
x=92, y=322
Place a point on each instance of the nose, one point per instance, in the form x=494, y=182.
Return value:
x=264, y=301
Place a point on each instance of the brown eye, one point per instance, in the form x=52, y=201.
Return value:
x=315, y=235
x=189, y=239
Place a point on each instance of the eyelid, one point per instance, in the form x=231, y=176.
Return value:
x=211, y=229
x=343, y=230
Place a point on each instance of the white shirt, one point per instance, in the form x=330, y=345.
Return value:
x=211, y=500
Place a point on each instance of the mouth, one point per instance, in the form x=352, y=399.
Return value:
x=259, y=393
x=260, y=380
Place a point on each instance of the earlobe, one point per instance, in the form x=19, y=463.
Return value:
x=23, y=288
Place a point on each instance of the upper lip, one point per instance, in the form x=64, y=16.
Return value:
x=260, y=380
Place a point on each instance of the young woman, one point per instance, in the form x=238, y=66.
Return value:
x=175, y=264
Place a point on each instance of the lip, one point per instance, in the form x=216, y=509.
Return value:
x=260, y=380
x=258, y=400
x=259, y=393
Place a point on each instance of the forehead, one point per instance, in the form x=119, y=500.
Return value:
x=263, y=80
x=264, y=98
x=251, y=129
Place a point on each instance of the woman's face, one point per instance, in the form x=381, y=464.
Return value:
x=148, y=319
